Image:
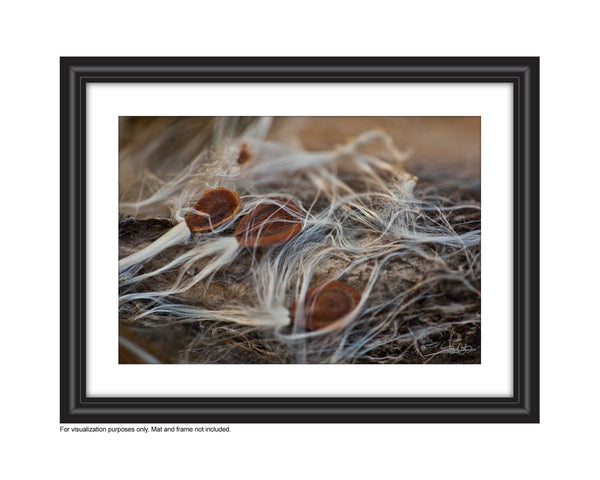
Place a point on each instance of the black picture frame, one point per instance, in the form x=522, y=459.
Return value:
x=77, y=407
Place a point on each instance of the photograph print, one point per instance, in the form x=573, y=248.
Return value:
x=299, y=240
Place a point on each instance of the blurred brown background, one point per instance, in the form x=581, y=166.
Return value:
x=451, y=142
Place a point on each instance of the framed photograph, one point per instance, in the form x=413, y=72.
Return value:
x=331, y=240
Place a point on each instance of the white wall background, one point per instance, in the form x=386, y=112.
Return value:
x=35, y=34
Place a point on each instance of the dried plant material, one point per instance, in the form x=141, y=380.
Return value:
x=214, y=208
x=274, y=221
x=324, y=305
x=408, y=247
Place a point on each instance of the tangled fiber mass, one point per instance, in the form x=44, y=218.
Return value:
x=410, y=248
